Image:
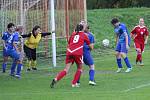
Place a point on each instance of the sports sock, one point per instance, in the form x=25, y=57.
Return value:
x=33, y=63
x=60, y=75
x=4, y=66
x=19, y=69
x=91, y=74
x=29, y=63
x=76, y=76
x=13, y=67
x=127, y=62
x=119, y=63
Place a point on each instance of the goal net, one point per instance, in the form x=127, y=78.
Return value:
x=38, y=12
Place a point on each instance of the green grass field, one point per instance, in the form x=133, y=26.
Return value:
x=34, y=85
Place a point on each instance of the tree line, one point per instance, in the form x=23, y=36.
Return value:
x=97, y=4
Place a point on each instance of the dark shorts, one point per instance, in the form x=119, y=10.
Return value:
x=30, y=53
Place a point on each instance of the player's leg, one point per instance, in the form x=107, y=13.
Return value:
x=28, y=55
x=88, y=60
x=19, y=66
x=62, y=73
x=123, y=53
x=79, y=61
x=5, y=59
x=15, y=56
x=33, y=61
x=138, y=50
x=142, y=46
x=118, y=57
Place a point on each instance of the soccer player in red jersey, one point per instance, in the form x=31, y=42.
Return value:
x=140, y=36
x=74, y=53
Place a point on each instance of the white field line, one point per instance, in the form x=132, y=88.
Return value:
x=137, y=87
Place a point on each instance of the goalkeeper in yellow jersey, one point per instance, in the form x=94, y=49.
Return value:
x=30, y=45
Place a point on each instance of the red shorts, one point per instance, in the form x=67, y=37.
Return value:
x=78, y=59
x=139, y=46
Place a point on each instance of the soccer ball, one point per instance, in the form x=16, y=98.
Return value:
x=105, y=42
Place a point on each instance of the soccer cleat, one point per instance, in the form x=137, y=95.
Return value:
x=78, y=84
x=75, y=85
x=28, y=69
x=3, y=71
x=12, y=74
x=141, y=64
x=128, y=70
x=53, y=83
x=118, y=70
x=18, y=76
x=34, y=68
x=92, y=83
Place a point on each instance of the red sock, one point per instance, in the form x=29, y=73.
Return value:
x=60, y=75
x=76, y=76
x=139, y=57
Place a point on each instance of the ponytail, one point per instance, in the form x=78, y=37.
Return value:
x=79, y=28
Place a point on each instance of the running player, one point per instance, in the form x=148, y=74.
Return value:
x=74, y=54
x=140, y=36
x=122, y=46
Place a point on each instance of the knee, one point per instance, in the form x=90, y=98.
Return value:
x=123, y=55
x=92, y=67
x=138, y=50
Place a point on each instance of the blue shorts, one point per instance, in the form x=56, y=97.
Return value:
x=13, y=54
x=88, y=59
x=121, y=47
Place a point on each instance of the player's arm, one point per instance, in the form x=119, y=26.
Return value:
x=126, y=39
x=116, y=39
x=3, y=40
x=146, y=38
x=45, y=33
x=15, y=41
x=26, y=35
x=92, y=41
x=133, y=33
x=87, y=41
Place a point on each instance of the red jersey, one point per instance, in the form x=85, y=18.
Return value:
x=140, y=33
x=76, y=42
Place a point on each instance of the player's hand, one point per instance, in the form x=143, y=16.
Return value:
x=127, y=47
x=145, y=42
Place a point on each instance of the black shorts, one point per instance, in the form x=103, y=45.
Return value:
x=30, y=53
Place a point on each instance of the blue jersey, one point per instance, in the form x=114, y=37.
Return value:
x=92, y=40
x=121, y=31
x=87, y=57
x=10, y=39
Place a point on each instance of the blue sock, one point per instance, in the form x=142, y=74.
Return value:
x=19, y=69
x=91, y=74
x=13, y=67
x=4, y=66
x=119, y=63
x=127, y=62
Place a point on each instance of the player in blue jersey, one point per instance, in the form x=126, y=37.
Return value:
x=122, y=44
x=18, y=45
x=5, y=36
x=11, y=49
x=87, y=57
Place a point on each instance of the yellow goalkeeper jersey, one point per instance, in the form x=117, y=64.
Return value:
x=32, y=42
